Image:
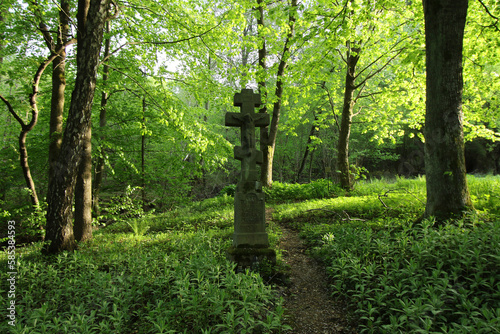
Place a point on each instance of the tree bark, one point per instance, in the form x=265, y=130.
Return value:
x=314, y=130
x=447, y=191
x=100, y=164
x=23, y=158
x=59, y=230
x=346, y=181
x=83, y=192
x=58, y=88
x=143, y=152
x=264, y=131
x=2, y=39
x=268, y=139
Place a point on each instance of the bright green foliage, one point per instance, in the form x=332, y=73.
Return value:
x=405, y=277
x=187, y=59
x=123, y=207
x=215, y=213
x=283, y=192
x=484, y=192
x=174, y=281
x=399, y=276
x=482, y=71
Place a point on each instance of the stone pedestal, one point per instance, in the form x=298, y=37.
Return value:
x=251, y=258
x=250, y=240
x=250, y=220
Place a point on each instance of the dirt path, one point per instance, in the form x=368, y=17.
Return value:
x=307, y=298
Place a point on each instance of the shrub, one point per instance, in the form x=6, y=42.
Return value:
x=286, y=192
x=228, y=190
x=123, y=207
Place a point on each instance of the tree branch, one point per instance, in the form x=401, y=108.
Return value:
x=341, y=55
x=376, y=60
x=117, y=11
x=394, y=190
x=488, y=11
x=331, y=106
x=359, y=112
x=32, y=97
x=348, y=218
x=371, y=75
x=139, y=84
x=369, y=95
x=11, y=110
x=43, y=27
x=160, y=42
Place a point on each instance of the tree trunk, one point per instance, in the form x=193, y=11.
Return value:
x=59, y=230
x=346, y=181
x=310, y=166
x=447, y=191
x=58, y=89
x=83, y=192
x=143, y=152
x=268, y=136
x=2, y=39
x=23, y=158
x=25, y=128
x=100, y=164
x=264, y=131
x=57, y=52
x=307, y=150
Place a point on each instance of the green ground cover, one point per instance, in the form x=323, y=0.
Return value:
x=162, y=273
x=167, y=272
x=404, y=277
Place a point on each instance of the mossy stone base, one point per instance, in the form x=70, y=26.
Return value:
x=251, y=258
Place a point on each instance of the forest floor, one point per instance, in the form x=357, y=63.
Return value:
x=310, y=307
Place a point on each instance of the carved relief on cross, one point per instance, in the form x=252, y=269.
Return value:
x=247, y=120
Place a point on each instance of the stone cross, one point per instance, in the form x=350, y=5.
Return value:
x=247, y=119
x=249, y=205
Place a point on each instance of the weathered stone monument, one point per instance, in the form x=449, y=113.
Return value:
x=250, y=239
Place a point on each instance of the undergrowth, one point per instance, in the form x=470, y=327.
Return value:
x=402, y=277
x=154, y=274
x=168, y=273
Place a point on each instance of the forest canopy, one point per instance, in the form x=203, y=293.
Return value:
x=167, y=72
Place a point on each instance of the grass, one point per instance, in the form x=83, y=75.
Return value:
x=168, y=273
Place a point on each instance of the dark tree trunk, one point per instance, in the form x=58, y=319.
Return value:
x=23, y=158
x=310, y=166
x=59, y=230
x=25, y=128
x=2, y=39
x=143, y=152
x=58, y=88
x=264, y=131
x=99, y=169
x=447, y=192
x=268, y=138
x=83, y=192
x=346, y=181
x=314, y=129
